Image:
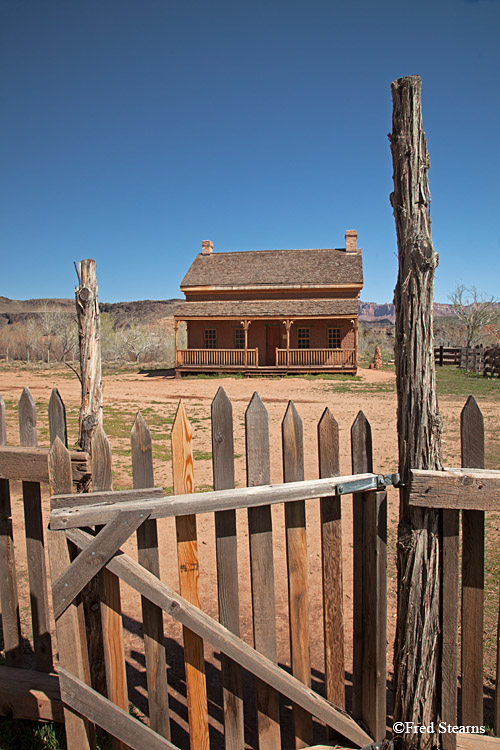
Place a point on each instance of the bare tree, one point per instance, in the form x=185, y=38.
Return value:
x=474, y=310
x=137, y=340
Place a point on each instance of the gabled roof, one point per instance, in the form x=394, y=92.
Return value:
x=275, y=267
x=285, y=308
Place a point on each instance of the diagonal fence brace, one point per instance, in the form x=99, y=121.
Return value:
x=92, y=559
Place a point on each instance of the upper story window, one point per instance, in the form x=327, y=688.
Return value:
x=303, y=338
x=210, y=338
x=334, y=338
x=239, y=338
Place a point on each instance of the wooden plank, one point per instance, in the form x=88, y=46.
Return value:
x=80, y=733
x=11, y=623
x=472, y=449
x=260, y=536
x=199, y=622
x=88, y=564
x=374, y=607
x=113, y=497
x=370, y=591
x=57, y=418
x=297, y=568
x=112, y=719
x=209, y=502
x=26, y=694
x=449, y=620
x=35, y=545
x=227, y=566
x=361, y=459
x=107, y=635
x=152, y=616
x=466, y=489
x=30, y=464
x=331, y=556
x=187, y=553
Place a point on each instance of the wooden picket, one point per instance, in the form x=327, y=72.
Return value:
x=117, y=515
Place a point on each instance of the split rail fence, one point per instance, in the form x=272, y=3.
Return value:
x=472, y=359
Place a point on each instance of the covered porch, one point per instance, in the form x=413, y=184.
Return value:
x=268, y=346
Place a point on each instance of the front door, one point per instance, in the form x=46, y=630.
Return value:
x=273, y=342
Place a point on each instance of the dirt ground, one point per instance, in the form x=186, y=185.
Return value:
x=157, y=395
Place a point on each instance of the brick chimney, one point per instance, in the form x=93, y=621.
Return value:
x=351, y=239
x=207, y=247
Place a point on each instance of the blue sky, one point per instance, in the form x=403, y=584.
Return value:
x=134, y=129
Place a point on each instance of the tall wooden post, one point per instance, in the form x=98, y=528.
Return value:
x=417, y=652
x=87, y=309
x=288, y=325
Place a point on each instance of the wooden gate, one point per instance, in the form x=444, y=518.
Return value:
x=115, y=516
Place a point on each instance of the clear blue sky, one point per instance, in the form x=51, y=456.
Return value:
x=134, y=129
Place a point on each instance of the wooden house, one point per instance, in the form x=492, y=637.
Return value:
x=272, y=311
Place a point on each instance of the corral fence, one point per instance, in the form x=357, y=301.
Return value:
x=479, y=359
x=99, y=524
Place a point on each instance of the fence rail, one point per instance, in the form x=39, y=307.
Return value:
x=472, y=359
x=341, y=358
x=217, y=358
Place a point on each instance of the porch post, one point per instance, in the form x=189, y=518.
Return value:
x=246, y=325
x=176, y=326
x=288, y=325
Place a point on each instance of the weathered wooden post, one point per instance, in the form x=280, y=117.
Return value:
x=87, y=309
x=417, y=647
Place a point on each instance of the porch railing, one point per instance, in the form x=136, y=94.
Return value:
x=217, y=358
x=315, y=358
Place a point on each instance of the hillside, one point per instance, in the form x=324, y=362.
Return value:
x=12, y=311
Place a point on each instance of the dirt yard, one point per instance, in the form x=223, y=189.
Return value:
x=157, y=396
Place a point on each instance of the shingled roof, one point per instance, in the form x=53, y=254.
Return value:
x=276, y=267
x=284, y=308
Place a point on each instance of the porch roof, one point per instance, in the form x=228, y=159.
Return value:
x=285, y=308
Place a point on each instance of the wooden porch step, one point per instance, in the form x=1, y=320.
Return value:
x=27, y=694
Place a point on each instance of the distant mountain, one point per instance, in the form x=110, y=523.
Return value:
x=15, y=311
x=12, y=311
x=371, y=312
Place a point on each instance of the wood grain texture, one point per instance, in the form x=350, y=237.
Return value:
x=416, y=661
x=449, y=659
x=472, y=449
x=107, y=503
x=331, y=556
x=187, y=553
x=361, y=461
x=297, y=568
x=35, y=543
x=21, y=700
x=148, y=556
x=455, y=489
x=9, y=600
x=227, y=566
x=88, y=564
x=30, y=464
x=260, y=537
x=370, y=591
x=80, y=733
x=87, y=310
x=57, y=418
x=206, y=627
x=116, y=721
x=105, y=637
